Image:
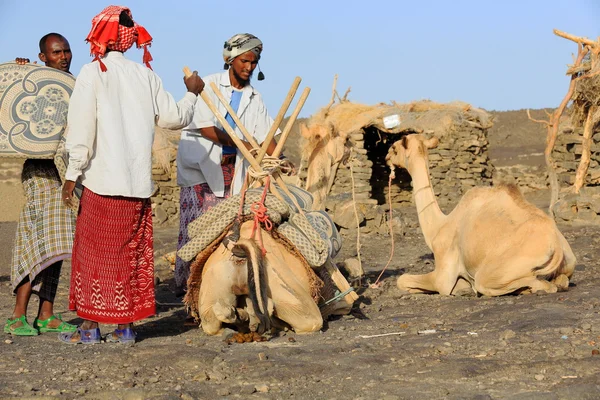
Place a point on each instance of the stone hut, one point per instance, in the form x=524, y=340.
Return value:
x=355, y=139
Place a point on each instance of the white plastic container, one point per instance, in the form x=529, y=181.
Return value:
x=391, y=121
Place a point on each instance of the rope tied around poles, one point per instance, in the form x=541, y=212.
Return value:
x=269, y=166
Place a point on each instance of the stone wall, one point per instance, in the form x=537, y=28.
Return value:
x=582, y=208
x=165, y=200
x=567, y=153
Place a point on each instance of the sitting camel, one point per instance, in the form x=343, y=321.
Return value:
x=494, y=239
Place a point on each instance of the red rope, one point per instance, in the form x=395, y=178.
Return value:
x=259, y=210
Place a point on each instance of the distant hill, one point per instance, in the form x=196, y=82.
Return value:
x=514, y=129
x=515, y=139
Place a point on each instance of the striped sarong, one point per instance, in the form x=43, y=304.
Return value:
x=193, y=202
x=112, y=277
x=45, y=230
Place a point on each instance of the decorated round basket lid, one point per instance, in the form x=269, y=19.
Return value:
x=34, y=101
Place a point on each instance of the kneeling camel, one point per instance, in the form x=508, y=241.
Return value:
x=240, y=285
x=494, y=239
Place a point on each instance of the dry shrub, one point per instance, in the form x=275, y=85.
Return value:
x=585, y=95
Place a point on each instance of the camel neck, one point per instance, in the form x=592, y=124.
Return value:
x=431, y=217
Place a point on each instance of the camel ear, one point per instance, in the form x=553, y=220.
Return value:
x=431, y=143
x=404, y=142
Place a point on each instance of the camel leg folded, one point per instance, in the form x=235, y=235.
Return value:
x=217, y=301
x=561, y=282
x=292, y=301
x=442, y=279
x=462, y=288
x=536, y=285
x=569, y=258
x=417, y=283
x=224, y=312
x=211, y=325
x=302, y=315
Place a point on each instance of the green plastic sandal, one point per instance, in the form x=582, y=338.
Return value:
x=24, y=330
x=42, y=326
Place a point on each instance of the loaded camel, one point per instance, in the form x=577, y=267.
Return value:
x=242, y=286
x=250, y=275
x=494, y=239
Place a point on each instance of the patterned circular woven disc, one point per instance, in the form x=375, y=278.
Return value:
x=34, y=101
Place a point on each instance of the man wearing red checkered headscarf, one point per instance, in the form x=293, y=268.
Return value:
x=114, y=29
x=114, y=108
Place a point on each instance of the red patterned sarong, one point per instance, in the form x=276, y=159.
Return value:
x=112, y=277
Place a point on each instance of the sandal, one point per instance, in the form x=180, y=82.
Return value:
x=122, y=336
x=89, y=336
x=24, y=330
x=42, y=326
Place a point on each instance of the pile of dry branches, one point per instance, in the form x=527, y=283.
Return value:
x=584, y=92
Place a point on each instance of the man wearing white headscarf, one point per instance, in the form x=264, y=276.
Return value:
x=209, y=166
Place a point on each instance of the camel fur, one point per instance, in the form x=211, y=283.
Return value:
x=243, y=286
x=494, y=239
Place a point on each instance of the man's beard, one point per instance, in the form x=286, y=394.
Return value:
x=239, y=78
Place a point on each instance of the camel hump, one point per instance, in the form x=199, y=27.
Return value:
x=515, y=194
x=512, y=190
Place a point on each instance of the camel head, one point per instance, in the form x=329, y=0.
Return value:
x=409, y=148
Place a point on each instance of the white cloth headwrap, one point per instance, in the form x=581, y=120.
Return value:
x=239, y=44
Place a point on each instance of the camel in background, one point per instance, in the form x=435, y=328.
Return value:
x=323, y=153
x=494, y=239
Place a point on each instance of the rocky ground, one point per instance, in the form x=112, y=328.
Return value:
x=391, y=346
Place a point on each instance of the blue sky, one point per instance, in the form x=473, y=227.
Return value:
x=498, y=55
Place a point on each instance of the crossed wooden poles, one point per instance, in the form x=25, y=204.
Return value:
x=255, y=162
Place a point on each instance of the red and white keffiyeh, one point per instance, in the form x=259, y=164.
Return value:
x=107, y=33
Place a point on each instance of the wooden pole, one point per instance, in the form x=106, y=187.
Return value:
x=279, y=118
x=290, y=123
x=235, y=118
x=584, y=163
x=577, y=39
x=333, y=92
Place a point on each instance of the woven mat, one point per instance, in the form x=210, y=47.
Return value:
x=34, y=102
